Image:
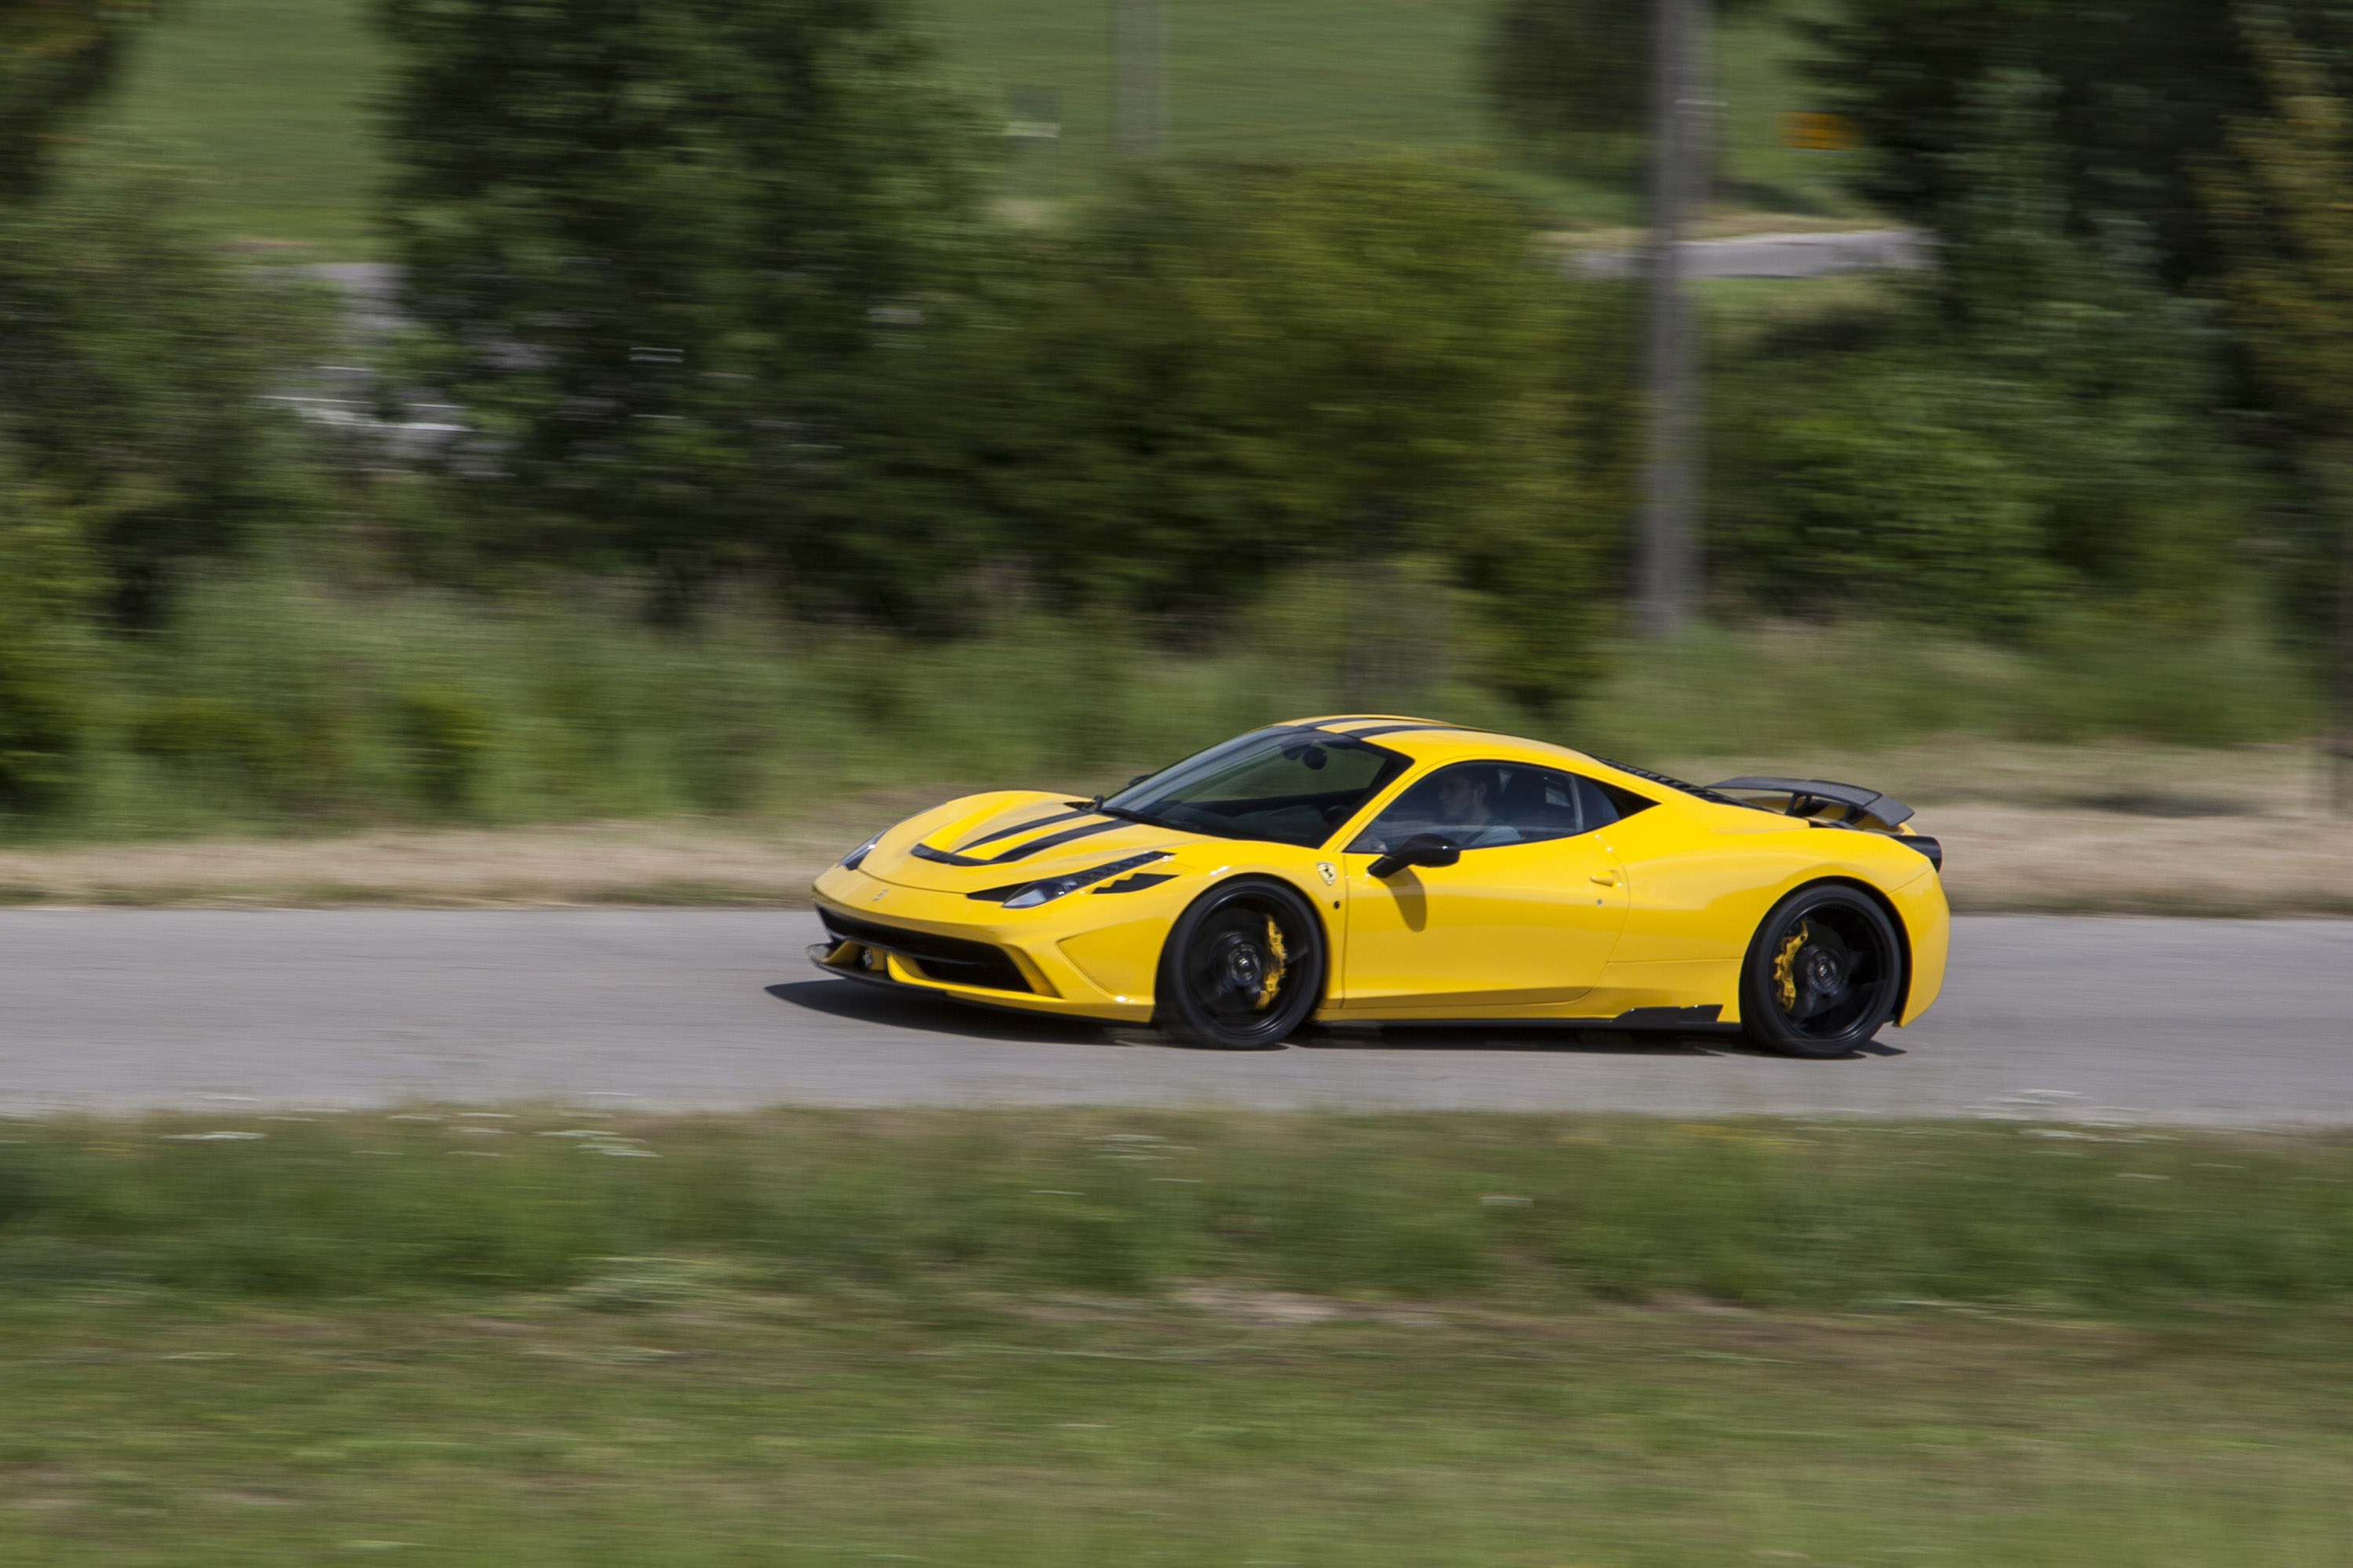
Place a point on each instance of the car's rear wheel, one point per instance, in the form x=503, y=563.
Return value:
x=1824, y=974
x=1242, y=967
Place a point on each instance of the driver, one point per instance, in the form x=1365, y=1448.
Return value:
x=1462, y=813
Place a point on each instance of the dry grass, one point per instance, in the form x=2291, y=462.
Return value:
x=2110, y=828
x=2128, y=829
x=585, y=863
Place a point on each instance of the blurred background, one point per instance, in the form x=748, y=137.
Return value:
x=464, y=413
x=570, y=452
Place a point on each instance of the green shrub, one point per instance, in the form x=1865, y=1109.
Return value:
x=688, y=265
x=1887, y=503
x=137, y=381
x=1223, y=380
x=445, y=736
x=49, y=668
x=270, y=701
x=209, y=734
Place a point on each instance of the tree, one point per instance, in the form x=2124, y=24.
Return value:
x=2027, y=426
x=55, y=56
x=1566, y=73
x=133, y=356
x=673, y=258
x=48, y=584
x=2142, y=94
x=1222, y=373
x=2284, y=205
x=134, y=362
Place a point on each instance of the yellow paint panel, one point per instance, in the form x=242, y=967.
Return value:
x=1120, y=960
x=1675, y=982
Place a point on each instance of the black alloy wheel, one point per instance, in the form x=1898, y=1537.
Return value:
x=1824, y=974
x=1242, y=969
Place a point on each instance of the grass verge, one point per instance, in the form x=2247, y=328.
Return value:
x=1539, y=1210
x=746, y=1428
x=1078, y=1338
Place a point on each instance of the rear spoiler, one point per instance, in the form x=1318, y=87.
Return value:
x=1857, y=807
x=1809, y=797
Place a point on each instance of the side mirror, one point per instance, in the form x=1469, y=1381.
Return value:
x=1422, y=849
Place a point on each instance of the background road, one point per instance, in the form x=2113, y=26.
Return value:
x=2185, y=1021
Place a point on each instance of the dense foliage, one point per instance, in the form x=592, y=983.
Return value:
x=2143, y=91
x=1228, y=375
x=46, y=585
x=676, y=260
x=1569, y=76
x=764, y=407
x=2029, y=425
x=56, y=56
x=2285, y=203
x=134, y=362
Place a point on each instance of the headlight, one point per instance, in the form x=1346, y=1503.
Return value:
x=1029, y=896
x=857, y=857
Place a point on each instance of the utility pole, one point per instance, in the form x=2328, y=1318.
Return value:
x=1667, y=564
x=1140, y=86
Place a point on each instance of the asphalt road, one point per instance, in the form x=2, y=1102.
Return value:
x=1773, y=255
x=2182, y=1020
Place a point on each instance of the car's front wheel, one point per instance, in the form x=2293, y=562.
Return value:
x=1242, y=967
x=1824, y=974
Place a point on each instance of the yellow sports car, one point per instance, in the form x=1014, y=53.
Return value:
x=1369, y=867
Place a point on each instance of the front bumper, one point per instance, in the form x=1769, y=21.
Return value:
x=1069, y=958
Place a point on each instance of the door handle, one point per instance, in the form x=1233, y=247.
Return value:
x=1606, y=878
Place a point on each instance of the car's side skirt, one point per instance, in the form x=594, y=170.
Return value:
x=1683, y=1019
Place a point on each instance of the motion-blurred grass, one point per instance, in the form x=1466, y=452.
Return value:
x=1545, y=1211
x=270, y=702
x=736, y=1427
x=1086, y=1337
x=268, y=102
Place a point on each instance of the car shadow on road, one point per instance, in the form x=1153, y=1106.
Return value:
x=939, y=1015
x=1542, y=1039
x=1555, y=1040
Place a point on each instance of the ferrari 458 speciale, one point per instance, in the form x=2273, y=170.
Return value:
x=1375, y=868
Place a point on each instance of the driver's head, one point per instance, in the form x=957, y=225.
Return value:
x=1463, y=797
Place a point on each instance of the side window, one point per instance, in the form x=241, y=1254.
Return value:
x=1481, y=804
x=1599, y=809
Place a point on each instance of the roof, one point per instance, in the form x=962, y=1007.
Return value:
x=1434, y=740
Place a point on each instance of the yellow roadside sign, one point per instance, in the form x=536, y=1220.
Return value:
x=1812, y=131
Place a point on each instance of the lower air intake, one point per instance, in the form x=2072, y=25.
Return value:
x=948, y=959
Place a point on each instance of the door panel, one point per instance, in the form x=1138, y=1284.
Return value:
x=1512, y=924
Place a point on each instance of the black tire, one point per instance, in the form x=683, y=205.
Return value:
x=1226, y=982
x=1824, y=973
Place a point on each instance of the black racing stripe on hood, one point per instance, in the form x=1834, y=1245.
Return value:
x=946, y=857
x=1023, y=828
x=1019, y=852
x=1024, y=851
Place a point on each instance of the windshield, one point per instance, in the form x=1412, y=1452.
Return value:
x=1293, y=787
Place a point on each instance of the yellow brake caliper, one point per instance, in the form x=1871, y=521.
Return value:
x=1785, y=967
x=1275, y=972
